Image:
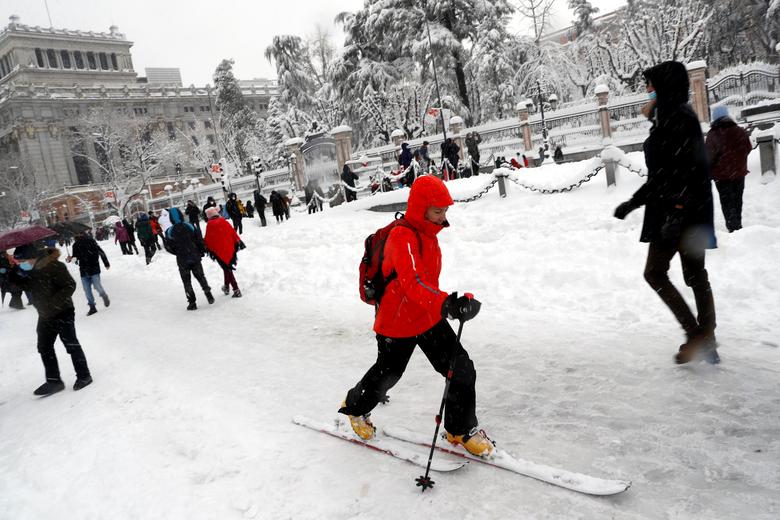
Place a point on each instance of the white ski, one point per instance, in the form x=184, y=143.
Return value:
x=380, y=443
x=501, y=459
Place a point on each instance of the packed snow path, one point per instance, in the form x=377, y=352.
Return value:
x=189, y=415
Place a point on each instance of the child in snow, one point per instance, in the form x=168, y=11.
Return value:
x=413, y=311
x=223, y=244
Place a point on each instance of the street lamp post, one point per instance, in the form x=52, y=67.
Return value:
x=433, y=66
x=168, y=188
x=545, y=134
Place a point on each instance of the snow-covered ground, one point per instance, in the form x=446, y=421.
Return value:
x=189, y=415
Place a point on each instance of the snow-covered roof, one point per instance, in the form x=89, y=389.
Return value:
x=293, y=141
x=698, y=64
x=397, y=133
x=340, y=129
x=457, y=120
x=601, y=88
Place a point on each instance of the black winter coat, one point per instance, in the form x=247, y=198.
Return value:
x=277, y=203
x=678, y=182
x=232, y=208
x=193, y=214
x=88, y=253
x=49, y=283
x=348, y=176
x=185, y=243
x=260, y=202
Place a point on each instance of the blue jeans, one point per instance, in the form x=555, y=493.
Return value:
x=88, y=282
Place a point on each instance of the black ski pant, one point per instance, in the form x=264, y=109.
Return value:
x=124, y=247
x=149, y=250
x=187, y=271
x=730, y=193
x=438, y=344
x=64, y=326
x=237, y=225
x=475, y=164
x=263, y=223
x=131, y=246
x=659, y=256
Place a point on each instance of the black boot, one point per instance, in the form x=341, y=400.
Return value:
x=106, y=301
x=209, y=298
x=237, y=294
x=92, y=310
x=192, y=306
x=82, y=382
x=50, y=387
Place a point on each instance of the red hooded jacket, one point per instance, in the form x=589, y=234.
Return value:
x=222, y=240
x=412, y=302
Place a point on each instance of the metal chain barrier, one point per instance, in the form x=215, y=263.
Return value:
x=480, y=194
x=640, y=171
x=582, y=181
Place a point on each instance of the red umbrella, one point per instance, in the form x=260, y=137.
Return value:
x=21, y=236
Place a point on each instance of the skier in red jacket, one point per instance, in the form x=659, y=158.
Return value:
x=414, y=311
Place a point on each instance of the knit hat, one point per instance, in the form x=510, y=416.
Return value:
x=212, y=212
x=719, y=112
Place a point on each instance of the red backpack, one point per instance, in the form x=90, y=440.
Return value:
x=372, y=281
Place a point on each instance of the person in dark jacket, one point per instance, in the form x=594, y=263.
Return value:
x=558, y=154
x=131, y=235
x=277, y=206
x=260, y=203
x=450, y=151
x=146, y=236
x=677, y=197
x=425, y=158
x=250, y=209
x=123, y=237
x=182, y=240
x=405, y=159
x=51, y=286
x=472, y=145
x=193, y=215
x=6, y=286
x=311, y=199
x=210, y=203
x=88, y=254
x=234, y=211
x=728, y=147
x=348, y=177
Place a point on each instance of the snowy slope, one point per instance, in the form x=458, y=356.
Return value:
x=189, y=415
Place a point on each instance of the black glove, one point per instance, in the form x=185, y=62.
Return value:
x=671, y=231
x=624, y=209
x=241, y=245
x=462, y=309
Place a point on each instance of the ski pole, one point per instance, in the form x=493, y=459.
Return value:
x=424, y=481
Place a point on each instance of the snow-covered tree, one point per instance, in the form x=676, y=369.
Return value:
x=20, y=190
x=294, y=70
x=238, y=124
x=583, y=11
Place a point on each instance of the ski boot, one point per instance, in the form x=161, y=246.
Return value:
x=361, y=424
x=475, y=442
x=82, y=382
x=92, y=310
x=51, y=386
x=192, y=306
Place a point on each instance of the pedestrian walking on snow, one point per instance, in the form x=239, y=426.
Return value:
x=210, y=203
x=146, y=236
x=277, y=206
x=260, y=203
x=412, y=312
x=88, y=254
x=349, y=177
x=473, y=139
x=677, y=197
x=250, y=209
x=42, y=274
x=193, y=215
x=183, y=240
x=131, y=234
x=223, y=245
x=234, y=211
x=728, y=147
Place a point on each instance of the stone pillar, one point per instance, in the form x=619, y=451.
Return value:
x=525, y=128
x=298, y=170
x=602, y=97
x=343, y=137
x=456, y=125
x=397, y=137
x=766, y=150
x=697, y=75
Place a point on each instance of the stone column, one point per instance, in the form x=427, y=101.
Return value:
x=456, y=125
x=525, y=128
x=697, y=75
x=602, y=96
x=298, y=170
x=343, y=137
x=766, y=150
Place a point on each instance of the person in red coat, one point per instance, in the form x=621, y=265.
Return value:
x=413, y=312
x=223, y=244
x=728, y=147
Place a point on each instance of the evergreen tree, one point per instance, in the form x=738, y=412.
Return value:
x=584, y=11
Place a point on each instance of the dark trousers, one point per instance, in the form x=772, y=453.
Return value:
x=475, y=164
x=229, y=278
x=64, y=326
x=657, y=275
x=350, y=195
x=237, y=225
x=125, y=248
x=438, y=344
x=149, y=250
x=262, y=217
x=186, y=272
x=730, y=193
x=131, y=246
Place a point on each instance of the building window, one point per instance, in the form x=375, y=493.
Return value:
x=210, y=139
x=114, y=63
x=65, y=59
x=80, y=161
x=79, y=59
x=207, y=125
x=171, y=130
x=4, y=68
x=140, y=111
x=91, y=61
x=205, y=109
x=51, y=57
x=191, y=124
x=189, y=109
x=39, y=58
x=103, y=61
x=195, y=140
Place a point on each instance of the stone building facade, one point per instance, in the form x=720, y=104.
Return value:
x=49, y=77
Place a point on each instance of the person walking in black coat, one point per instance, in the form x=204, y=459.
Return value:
x=472, y=145
x=250, y=209
x=277, y=206
x=182, y=240
x=678, y=207
x=348, y=177
x=260, y=203
x=131, y=245
x=234, y=211
x=88, y=254
x=728, y=147
x=449, y=151
x=42, y=274
x=210, y=203
x=193, y=215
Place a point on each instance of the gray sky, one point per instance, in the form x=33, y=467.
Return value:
x=195, y=35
